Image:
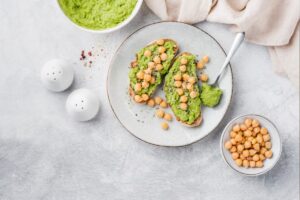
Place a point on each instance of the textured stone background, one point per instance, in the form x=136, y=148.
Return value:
x=46, y=155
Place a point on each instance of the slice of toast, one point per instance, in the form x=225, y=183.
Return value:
x=135, y=64
x=173, y=98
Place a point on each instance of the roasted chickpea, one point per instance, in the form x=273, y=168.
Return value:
x=183, y=85
x=247, y=144
x=183, y=106
x=238, y=162
x=268, y=145
x=252, y=164
x=183, y=61
x=185, y=77
x=140, y=75
x=266, y=137
x=183, y=99
x=263, y=131
x=163, y=104
x=250, y=128
x=148, y=71
x=157, y=60
x=247, y=133
x=200, y=64
x=160, y=42
x=255, y=123
x=158, y=100
x=205, y=59
x=151, y=65
x=182, y=68
x=177, y=84
x=145, y=84
x=228, y=145
x=245, y=163
x=255, y=157
x=151, y=103
x=259, y=138
x=163, y=56
x=203, y=77
x=138, y=98
x=192, y=80
x=245, y=153
x=145, y=97
x=161, y=49
x=165, y=125
x=236, y=128
x=233, y=141
x=160, y=113
x=243, y=127
x=189, y=86
x=179, y=91
x=238, y=138
x=259, y=164
x=252, y=152
x=232, y=134
x=159, y=67
x=256, y=130
x=168, y=117
x=138, y=87
x=147, y=53
x=240, y=148
x=269, y=154
x=253, y=141
x=263, y=150
x=262, y=157
x=177, y=77
x=233, y=149
x=193, y=94
x=235, y=155
x=256, y=147
x=147, y=77
x=248, y=122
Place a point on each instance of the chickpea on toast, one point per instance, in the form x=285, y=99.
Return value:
x=148, y=70
x=182, y=90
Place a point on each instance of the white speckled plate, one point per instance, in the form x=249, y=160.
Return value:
x=139, y=119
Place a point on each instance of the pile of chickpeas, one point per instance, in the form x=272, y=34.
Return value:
x=147, y=77
x=200, y=65
x=249, y=144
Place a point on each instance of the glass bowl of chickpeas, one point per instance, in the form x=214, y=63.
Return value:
x=251, y=145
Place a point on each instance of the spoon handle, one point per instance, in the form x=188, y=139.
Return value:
x=239, y=38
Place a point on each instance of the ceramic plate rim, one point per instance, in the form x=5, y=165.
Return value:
x=114, y=57
x=222, y=137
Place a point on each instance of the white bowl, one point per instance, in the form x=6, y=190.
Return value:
x=119, y=26
x=268, y=163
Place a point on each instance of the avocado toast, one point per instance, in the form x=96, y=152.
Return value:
x=182, y=90
x=148, y=70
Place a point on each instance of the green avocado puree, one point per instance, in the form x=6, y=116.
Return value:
x=210, y=96
x=194, y=105
x=142, y=64
x=97, y=14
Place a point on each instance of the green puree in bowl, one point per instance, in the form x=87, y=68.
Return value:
x=97, y=14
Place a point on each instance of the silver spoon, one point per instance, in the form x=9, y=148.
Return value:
x=239, y=38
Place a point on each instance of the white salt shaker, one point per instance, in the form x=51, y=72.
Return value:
x=57, y=75
x=82, y=104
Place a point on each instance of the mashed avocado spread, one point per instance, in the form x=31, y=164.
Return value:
x=142, y=64
x=194, y=104
x=97, y=14
x=210, y=96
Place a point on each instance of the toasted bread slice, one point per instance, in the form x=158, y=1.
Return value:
x=171, y=48
x=173, y=97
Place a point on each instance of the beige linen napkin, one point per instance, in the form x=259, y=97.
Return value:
x=273, y=23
